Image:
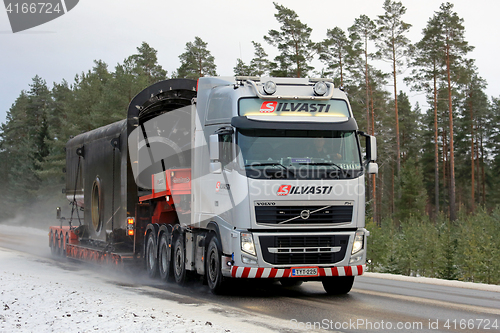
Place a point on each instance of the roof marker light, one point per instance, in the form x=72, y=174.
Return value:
x=320, y=88
x=269, y=87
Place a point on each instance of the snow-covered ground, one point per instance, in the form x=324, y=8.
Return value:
x=39, y=294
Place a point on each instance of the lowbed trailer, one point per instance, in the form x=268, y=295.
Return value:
x=224, y=178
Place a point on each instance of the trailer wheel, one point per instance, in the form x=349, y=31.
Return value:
x=165, y=258
x=215, y=279
x=338, y=285
x=62, y=250
x=179, y=261
x=57, y=245
x=151, y=260
x=52, y=243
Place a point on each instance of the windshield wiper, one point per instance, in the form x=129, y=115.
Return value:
x=323, y=163
x=270, y=164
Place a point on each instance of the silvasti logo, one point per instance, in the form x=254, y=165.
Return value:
x=26, y=14
x=292, y=190
x=270, y=107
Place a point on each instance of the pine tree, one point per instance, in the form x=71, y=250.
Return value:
x=294, y=44
x=196, y=61
x=454, y=48
x=241, y=69
x=426, y=73
x=259, y=65
x=333, y=51
x=394, y=47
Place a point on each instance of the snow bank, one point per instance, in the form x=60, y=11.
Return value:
x=435, y=281
x=43, y=295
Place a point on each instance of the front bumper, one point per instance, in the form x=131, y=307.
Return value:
x=278, y=273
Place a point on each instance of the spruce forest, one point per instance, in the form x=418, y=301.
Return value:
x=433, y=209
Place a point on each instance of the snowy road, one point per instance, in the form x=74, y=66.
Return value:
x=40, y=294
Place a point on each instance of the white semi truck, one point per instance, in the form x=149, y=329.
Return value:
x=226, y=178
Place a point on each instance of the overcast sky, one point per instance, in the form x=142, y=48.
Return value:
x=111, y=30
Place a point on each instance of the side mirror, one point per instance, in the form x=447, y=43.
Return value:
x=58, y=213
x=372, y=168
x=214, y=147
x=371, y=148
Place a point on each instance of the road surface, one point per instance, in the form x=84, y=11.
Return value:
x=376, y=303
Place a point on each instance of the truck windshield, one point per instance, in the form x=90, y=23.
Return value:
x=299, y=154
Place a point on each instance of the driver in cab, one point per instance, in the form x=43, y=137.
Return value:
x=320, y=151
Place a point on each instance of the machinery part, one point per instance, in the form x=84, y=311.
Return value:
x=338, y=285
x=165, y=257
x=179, y=262
x=151, y=259
x=215, y=279
x=291, y=282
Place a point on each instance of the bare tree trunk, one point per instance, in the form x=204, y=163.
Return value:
x=398, y=149
x=445, y=162
x=436, y=149
x=453, y=209
x=482, y=171
x=392, y=195
x=472, y=155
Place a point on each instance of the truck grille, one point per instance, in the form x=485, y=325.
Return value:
x=297, y=250
x=303, y=214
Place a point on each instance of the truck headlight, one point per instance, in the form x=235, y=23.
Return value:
x=358, y=244
x=247, y=244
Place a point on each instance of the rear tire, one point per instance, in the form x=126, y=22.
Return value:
x=179, y=261
x=338, y=285
x=165, y=258
x=215, y=279
x=151, y=260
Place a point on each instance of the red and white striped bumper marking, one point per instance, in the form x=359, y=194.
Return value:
x=272, y=273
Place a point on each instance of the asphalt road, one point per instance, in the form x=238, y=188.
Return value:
x=375, y=304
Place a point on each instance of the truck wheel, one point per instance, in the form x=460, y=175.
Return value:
x=57, y=244
x=165, y=258
x=151, y=261
x=213, y=268
x=52, y=243
x=179, y=261
x=338, y=285
x=61, y=245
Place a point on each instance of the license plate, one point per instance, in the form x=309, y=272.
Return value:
x=305, y=271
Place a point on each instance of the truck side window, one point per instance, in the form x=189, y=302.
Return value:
x=225, y=148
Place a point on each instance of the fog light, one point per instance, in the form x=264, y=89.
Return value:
x=320, y=88
x=248, y=260
x=269, y=87
x=355, y=259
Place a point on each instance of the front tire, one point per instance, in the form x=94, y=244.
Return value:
x=151, y=260
x=165, y=258
x=338, y=285
x=215, y=279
